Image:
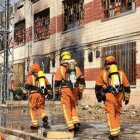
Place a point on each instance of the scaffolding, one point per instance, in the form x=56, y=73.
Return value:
x=6, y=51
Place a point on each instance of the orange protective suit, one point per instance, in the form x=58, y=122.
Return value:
x=1, y=136
x=113, y=103
x=69, y=96
x=36, y=99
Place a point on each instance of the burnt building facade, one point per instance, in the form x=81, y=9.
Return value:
x=90, y=29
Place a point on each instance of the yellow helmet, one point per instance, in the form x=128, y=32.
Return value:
x=65, y=56
x=110, y=60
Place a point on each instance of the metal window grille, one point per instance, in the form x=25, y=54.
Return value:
x=73, y=14
x=41, y=25
x=125, y=55
x=20, y=34
x=116, y=7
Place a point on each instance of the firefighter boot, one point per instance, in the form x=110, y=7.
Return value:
x=71, y=130
x=57, y=97
x=76, y=127
x=45, y=122
x=33, y=127
x=113, y=137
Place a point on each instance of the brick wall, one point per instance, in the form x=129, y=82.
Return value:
x=137, y=3
x=91, y=74
x=138, y=71
x=29, y=34
x=53, y=25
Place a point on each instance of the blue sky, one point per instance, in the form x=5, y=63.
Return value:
x=3, y=1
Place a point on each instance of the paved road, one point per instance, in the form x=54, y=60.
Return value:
x=93, y=128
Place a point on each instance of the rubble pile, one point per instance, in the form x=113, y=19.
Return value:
x=97, y=112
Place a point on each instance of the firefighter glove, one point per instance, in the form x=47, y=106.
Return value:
x=80, y=96
x=100, y=96
x=81, y=88
x=126, y=102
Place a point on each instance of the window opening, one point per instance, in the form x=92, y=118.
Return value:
x=41, y=25
x=116, y=7
x=20, y=35
x=73, y=14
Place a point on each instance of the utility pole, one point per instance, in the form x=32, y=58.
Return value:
x=6, y=49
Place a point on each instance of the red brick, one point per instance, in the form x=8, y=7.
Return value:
x=29, y=34
x=137, y=3
x=91, y=74
x=93, y=11
x=138, y=71
x=59, y=23
x=53, y=25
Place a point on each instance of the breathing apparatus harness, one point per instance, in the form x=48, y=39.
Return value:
x=71, y=73
x=115, y=86
x=41, y=88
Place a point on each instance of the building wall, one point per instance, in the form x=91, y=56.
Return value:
x=96, y=32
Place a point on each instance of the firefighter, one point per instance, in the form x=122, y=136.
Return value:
x=37, y=90
x=70, y=82
x=1, y=136
x=112, y=87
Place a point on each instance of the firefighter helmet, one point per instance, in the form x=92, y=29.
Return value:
x=35, y=68
x=65, y=56
x=110, y=60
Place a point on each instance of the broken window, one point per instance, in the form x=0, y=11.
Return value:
x=20, y=34
x=116, y=7
x=125, y=55
x=44, y=63
x=73, y=14
x=41, y=25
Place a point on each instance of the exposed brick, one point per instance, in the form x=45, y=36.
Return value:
x=93, y=11
x=138, y=71
x=53, y=25
x=88, y=10
x=137, y=3
x=59, y=23
x=29, y=34
x=91, y=74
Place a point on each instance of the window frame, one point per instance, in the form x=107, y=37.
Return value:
x=114, y=9
x=19, y=30
x=42, y=34
x=70, y=13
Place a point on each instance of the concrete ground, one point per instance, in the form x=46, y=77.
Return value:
x=15, y=116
